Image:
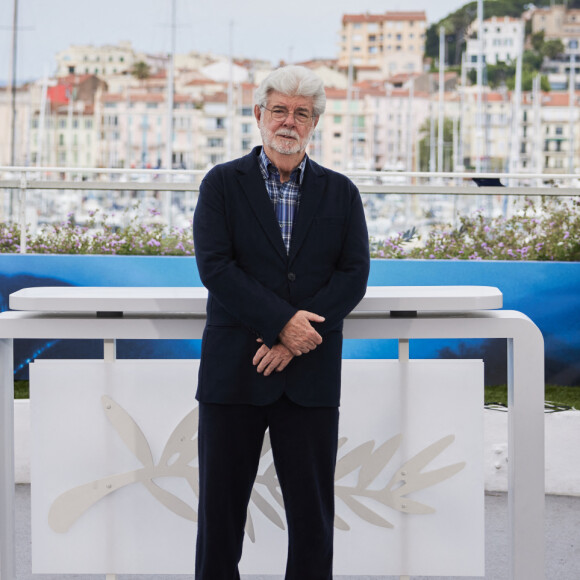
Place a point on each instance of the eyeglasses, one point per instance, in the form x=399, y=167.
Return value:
x=281, y=114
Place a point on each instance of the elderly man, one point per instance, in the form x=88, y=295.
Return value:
x=282, y=246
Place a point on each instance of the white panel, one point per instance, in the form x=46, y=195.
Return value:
x=73, y=443
x=79, y=438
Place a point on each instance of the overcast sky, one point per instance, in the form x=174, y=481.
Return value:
x=293, y=31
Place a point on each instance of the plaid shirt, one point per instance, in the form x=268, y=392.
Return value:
x=285, y=196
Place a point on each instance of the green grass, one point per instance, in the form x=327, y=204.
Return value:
x=560, y=396
x=21, y=390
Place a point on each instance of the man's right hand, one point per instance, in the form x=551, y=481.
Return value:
x=298, y=336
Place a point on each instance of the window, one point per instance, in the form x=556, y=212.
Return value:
x=246, y=128
x=246, y=144
x=337, y=119
x=247, y=111
x=220, y=123
x=372, y=38
x=559, y=130
x=215, y=142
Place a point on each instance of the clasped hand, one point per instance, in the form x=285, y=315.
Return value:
x=296, y=338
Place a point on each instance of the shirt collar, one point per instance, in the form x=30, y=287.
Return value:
x=267, y=167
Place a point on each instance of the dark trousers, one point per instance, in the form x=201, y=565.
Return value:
x=304, y=445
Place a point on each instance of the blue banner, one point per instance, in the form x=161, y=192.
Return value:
x=545, y=291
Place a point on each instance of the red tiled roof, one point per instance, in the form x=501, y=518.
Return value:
x=216, y=98
x=73, y=79
x=409, y=15
x=402, y=77
x=57, y=95
x=195, y=82
x=112, y=98
x=332, y=93
x=147, y=98
x=502, y=19
x=363, y=18
x=555, y=99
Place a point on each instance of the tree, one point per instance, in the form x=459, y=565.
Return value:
x=553, y=48
x=141, y=70
x=498, y=74
x=424, y=144
x=532, y=60
x=528, y=80
x=537, y=40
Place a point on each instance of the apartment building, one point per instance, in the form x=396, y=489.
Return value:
x=559, y=22
x=557, y=131
x=392, y=42
x=97, y=60
x=23, y=111
x=493, y=147
x=503, y=39
x=342, y=138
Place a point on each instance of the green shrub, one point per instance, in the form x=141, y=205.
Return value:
x=548, y=230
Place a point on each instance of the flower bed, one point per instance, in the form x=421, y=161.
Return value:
x=545, y=230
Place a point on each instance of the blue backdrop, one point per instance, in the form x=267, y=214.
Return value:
x=546, y=292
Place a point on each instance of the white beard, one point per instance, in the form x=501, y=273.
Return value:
x=290, y=148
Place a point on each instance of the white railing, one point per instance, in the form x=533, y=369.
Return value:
x=26, y=186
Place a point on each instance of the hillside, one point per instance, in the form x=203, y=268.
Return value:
x=457, y=23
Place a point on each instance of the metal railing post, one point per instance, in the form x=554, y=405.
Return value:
x=22, y=191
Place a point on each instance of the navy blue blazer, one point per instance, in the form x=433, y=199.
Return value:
x=255, y=286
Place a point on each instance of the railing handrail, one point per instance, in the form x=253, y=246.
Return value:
x=355, y=172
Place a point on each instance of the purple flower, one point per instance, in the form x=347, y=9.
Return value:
x=153, y=242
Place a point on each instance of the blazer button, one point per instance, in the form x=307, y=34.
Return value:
x=291, y=276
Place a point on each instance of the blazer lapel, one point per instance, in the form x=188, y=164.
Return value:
x=253, y=186
x=312, y=192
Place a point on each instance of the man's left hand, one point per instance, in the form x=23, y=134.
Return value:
x=269, y=360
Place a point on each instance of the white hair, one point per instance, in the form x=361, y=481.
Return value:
x=293, y=81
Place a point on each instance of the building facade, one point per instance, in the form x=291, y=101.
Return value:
x=559, y=23
x=96, y=60
x=503, y=40
x=393, y=42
